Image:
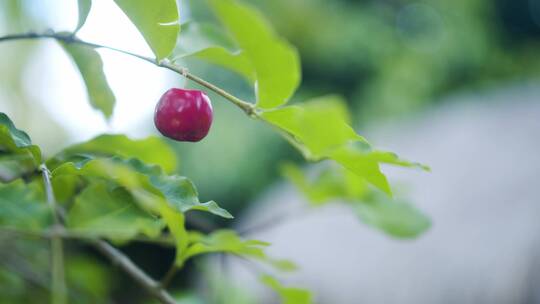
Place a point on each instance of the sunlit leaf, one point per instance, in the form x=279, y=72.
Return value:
x=210, y=44
x=288, y=295
x=84, y=9
x=157, y=20
x=23, y=206
x=276, y=62
x=151, y=150
x=110, y=213
x=90, y=65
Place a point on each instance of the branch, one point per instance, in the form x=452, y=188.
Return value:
x=247, y=107
x=120, y=259
x=58, y=284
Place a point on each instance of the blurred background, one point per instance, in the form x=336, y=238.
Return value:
x=454, y=84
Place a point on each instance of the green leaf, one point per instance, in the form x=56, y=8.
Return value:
x=90, y=65
x=157, y=20
x=151, y=150
x=208, y=43
x=22, y=206
x=228, y=241
x=289, y=295
x=337, y=184
x=276, y=62
x=16, y=142
x=396, y=218
x=84, y=10
x=112, y=213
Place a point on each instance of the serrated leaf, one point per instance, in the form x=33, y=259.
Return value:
x=276, y=62
x=23, y=206
x=210, y=44
x=157, y=20
x=84, y=9
x=152, y=150
x=396, y=218
x=288, y=295
x=90, y=65
x=111, y=213
x=16, y=142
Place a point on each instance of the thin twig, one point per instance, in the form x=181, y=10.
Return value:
x=58, y=287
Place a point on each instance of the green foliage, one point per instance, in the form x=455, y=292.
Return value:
x=275, y=62
x=112, y=213
x=22, y=206
x=151, y=150
x=157, y=20
x=84, y=9
x=207, y=42
x=392, y=216
x=90, y=66
x=319, y=128
x=16, y=142
x=288, y=295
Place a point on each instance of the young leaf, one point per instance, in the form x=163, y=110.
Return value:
x=210, y=44
x=152, y=150
x=288, y=295
x=23, y=206
x=157, y=20
x=276, y=62
x=90, y=66
x=84, y=10
x=14, y=141
x=111, y=213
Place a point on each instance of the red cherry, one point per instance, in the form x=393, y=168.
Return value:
x=184, y=115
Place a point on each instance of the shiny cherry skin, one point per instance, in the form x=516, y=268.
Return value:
x=184, y=115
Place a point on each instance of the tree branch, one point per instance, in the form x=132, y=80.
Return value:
x=247, y=107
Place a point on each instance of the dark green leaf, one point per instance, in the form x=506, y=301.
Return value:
x=84, y=10
x=288, y=295
x=90, y=65
x=157, y=20
x=112, y=213
x=276, y=62
x=22, y=206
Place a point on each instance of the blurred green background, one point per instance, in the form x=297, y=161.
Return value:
x=389, y=58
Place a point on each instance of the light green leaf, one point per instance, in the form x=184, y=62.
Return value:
x=16, y=142
x=111, y=213
x=288, y=295
x=276, y=62
x=396, y=218
x=208, y=43
x=90, y=65
x=157, y=20
x=84, y=10
x=228, y=241
x=151, y=150
x=23, y=206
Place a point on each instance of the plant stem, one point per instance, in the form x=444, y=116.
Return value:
x=58, y=284
x=247, y=107
x=118, y=258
